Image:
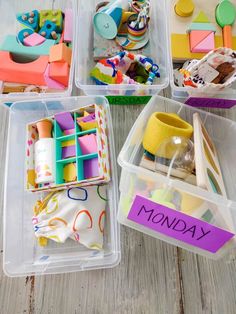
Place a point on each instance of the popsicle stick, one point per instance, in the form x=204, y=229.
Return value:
x=227, y=36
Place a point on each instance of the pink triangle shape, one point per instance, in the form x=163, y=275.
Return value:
x=197, y=36
x=206, y=45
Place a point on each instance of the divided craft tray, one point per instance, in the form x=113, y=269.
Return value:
x=179, y=44
x=137, y=185
x=97, y=159
x=22, y=254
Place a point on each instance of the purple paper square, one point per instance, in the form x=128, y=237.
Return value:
x=68, y=151
x=65, y=120
x=91, y=168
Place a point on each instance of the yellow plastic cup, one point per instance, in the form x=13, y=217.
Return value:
x=161, y=126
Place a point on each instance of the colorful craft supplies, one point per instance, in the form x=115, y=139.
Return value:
x=59, y=71
x=60, y=53
x=52, y=83
x=55, y=16
x=11, y=44
x=114, y=70
x=48, y=30
x=23, y=34
x=201, y=34
x=70, y=172
x=91, y=168
x=29, y=19
x=26, y=73
x=65, y=120
x=86, y=151
x=42, y=30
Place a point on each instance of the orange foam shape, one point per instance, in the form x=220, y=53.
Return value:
x=25, y=73
x=197, y=36
x=60, y=53
x=59, y=71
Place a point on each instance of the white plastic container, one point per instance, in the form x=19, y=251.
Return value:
x=22, y=254
x=10, y=26
x=137, y=180
x=159, y=52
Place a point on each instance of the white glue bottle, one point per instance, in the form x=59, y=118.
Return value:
x=44, y=153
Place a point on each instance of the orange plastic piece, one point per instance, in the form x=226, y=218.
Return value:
x=44, y=128
x=26, y=73
x=60, y=72
x=60, y=53
x=227, y=36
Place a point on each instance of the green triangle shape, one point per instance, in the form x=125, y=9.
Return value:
x=201, y=18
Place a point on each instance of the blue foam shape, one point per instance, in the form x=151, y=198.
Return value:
x=26, y=23
x=20, y=35
x=11, y=44
x=48, y=27
x=201, y=27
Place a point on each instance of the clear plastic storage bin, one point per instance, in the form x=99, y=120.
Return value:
x=179, y=25
x=10, y=26
x=185, y=92
x=136, y=180
x=22, y=254
x=158, y=43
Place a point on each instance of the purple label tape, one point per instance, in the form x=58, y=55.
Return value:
x=210, y=102
x=178, y=225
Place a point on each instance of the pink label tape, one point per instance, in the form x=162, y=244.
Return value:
x=178, y=225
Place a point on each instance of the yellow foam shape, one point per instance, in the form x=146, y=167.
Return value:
x=190, y=203
x=201, y=18
x=68, y=143
x=85, y=126
x=184, y=8
x=70, y=172
x=180, y=48
x=86, y=113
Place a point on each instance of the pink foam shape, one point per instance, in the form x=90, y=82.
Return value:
x=34, y=40
x=88, y=144
x=68, y=132
x=206, y=45
x=68, y=29
x=50, y=82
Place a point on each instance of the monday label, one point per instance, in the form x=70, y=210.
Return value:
x=178, y=225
